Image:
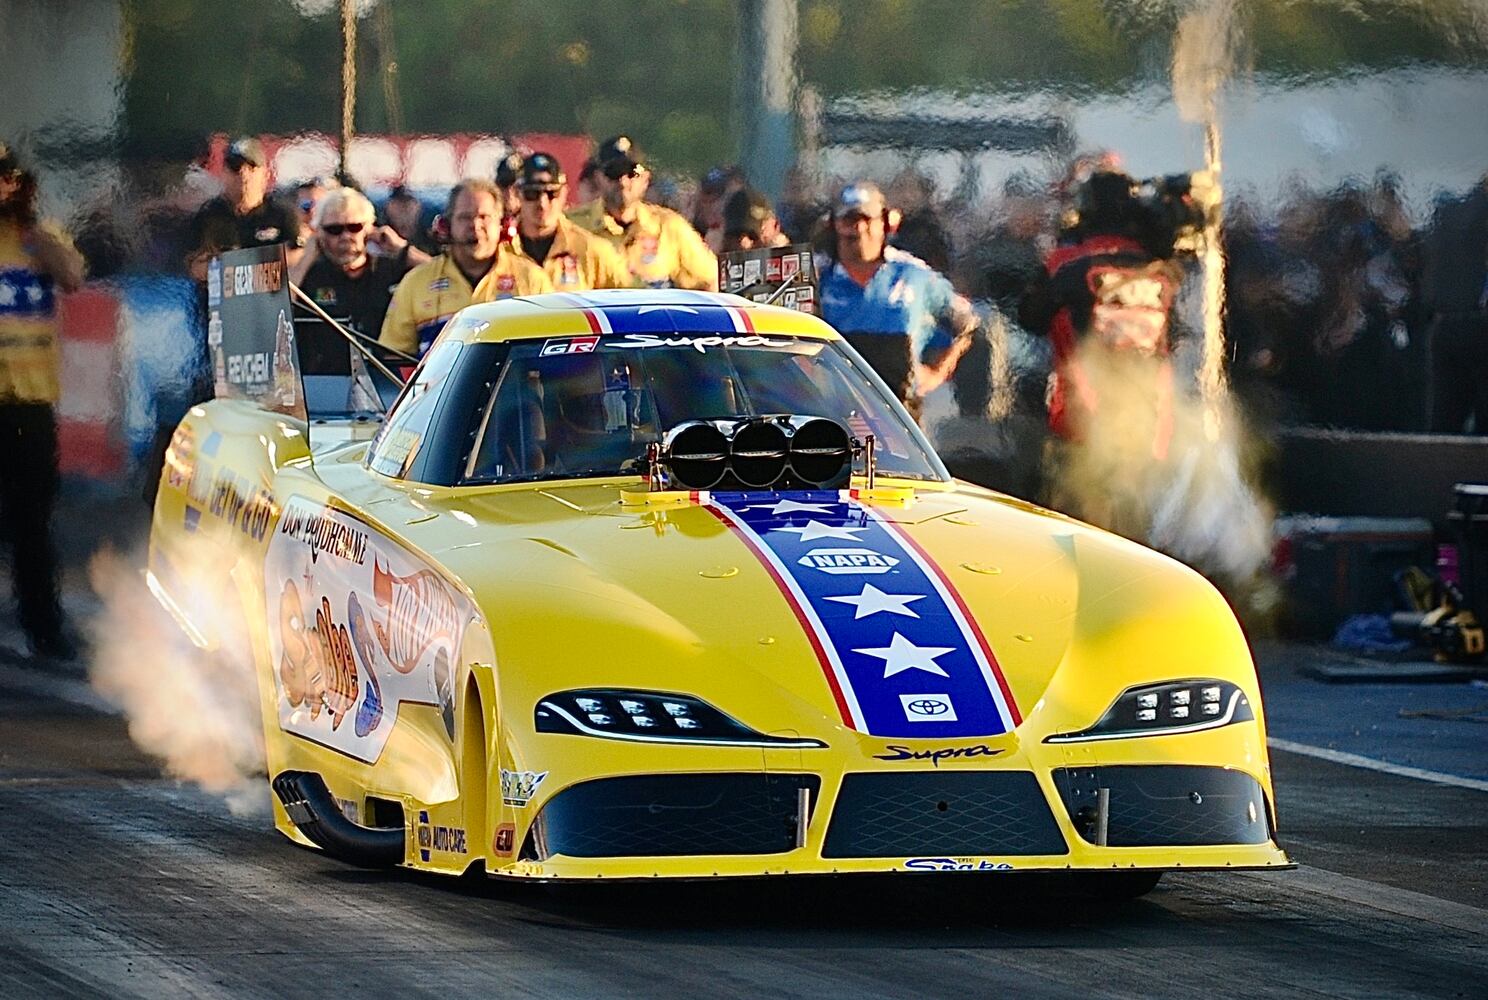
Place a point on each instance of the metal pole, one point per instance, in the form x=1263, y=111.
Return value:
x=355, y=339
x=348, y=79
x=766, y=91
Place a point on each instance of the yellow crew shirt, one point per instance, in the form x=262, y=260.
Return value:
x=30, y=355
x=434, y=291
x=660, y=247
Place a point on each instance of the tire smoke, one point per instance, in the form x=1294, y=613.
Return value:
x=197, y=710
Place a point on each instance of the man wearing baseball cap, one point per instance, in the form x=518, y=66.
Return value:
x=902, y=316
x=243, y=215
x=575, y=259
x=660, y=247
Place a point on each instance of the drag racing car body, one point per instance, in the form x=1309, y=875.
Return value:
x=661, y=583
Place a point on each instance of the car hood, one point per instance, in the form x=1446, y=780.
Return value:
x=959, y=603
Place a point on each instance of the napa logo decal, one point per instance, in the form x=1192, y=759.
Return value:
x=900, y=651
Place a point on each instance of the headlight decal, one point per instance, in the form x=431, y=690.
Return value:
x=1167, y=709
x=651, y=717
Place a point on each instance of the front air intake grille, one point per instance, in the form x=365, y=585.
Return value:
x=1166, y=805
x=954, y=813
x=676, y=815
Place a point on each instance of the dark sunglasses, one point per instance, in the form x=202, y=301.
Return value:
x=337, y=228
x=615, y=173
x=538, y=194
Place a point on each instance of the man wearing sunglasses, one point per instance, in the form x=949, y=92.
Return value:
x=352, y=265
x=660, y=247
x=576, y=260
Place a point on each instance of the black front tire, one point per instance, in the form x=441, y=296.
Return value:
x=1119, y=885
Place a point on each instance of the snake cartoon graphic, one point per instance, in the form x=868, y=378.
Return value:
x=369, y=715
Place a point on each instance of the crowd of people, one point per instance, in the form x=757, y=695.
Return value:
x=1339, y=310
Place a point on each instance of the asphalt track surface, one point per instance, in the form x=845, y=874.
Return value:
x=116, y=881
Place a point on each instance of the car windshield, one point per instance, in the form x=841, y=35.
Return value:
x=588, y=406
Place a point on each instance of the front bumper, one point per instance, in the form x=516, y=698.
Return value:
x=701, y=825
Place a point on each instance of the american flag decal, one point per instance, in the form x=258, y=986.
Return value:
x=901, y=653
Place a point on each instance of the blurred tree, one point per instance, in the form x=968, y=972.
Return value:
x=662, y=70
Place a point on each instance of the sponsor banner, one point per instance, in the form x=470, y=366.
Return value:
x=760, y=274
x=250, y=329
x=902, y=654
x=357, y=627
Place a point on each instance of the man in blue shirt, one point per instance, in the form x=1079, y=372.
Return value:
x=902, y=316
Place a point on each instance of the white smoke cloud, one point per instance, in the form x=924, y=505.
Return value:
x=198, y=711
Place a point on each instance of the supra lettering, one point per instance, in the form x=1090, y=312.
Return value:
x=699, y=344
x=897, y=752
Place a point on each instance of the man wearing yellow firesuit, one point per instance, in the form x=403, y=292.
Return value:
x=476, y=267
x=576, y=260
x=660, y=247
x=36, y=260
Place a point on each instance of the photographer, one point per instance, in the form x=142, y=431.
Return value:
x=1105, y=299
x=36, y=259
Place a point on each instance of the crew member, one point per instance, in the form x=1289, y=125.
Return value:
x=902, y=316
x=660, y=247
x=575, y=259
x=243, y=215
x=352, y=265
x=477, y=267
x=36, y=259
x=507, y=172
x=749, y=221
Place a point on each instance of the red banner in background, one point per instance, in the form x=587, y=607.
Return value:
x=420, y=161
x=88, y=426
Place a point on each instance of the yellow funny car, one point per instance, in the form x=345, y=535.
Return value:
x=662, y=583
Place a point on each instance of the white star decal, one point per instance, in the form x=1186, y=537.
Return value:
x=791, y=507
x=643, y=310
x=7, y=293
x=901, y=655
x=815, y=529
x=872, y=600
x=35, y=293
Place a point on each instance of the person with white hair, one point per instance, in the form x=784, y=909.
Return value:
x=353, y=264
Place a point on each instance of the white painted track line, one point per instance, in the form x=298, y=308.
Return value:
x=1384, y=767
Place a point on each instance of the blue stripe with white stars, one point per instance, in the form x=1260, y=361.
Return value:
x=25, y=294
x=896, y=644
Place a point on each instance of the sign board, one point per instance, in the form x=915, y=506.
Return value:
x=250, y=330
x=760, y=275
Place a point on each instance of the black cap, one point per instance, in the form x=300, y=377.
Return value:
x=717, y=179
x=541, y=172
x=246, y=150
x=507, y=169
x=746, y=211
x=618, y=157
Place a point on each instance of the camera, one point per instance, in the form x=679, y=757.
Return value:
x=1166, y=214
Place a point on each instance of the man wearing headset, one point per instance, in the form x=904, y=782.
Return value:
x=477, y=266
x=902, y=316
